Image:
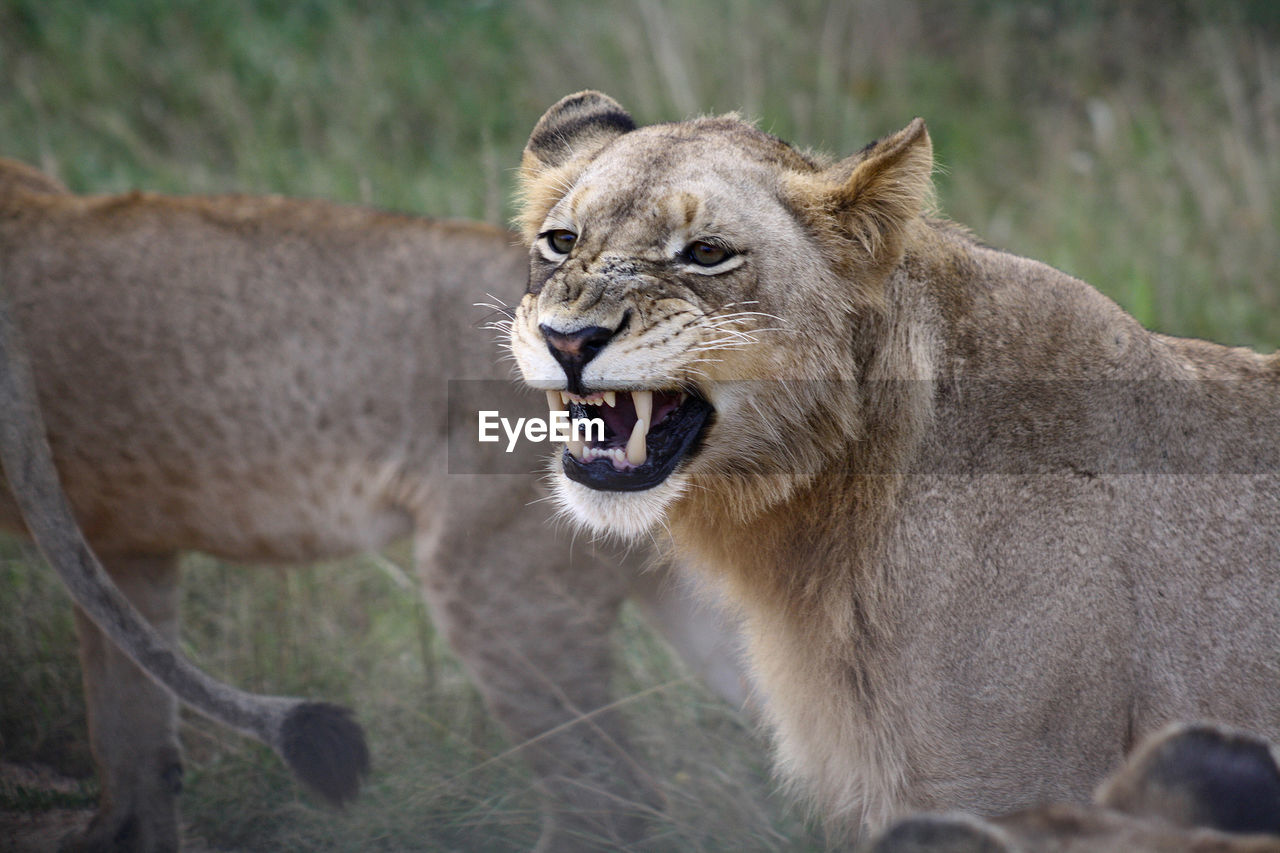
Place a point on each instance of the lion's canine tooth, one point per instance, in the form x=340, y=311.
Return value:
x=576, y=447
x=611, y=398
x=554, y=402
x=566, y=398
x=644, y=406
x=637, y=451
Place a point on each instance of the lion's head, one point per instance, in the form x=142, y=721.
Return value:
x=699, y=286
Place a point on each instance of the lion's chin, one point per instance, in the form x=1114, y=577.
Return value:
x=627, y=516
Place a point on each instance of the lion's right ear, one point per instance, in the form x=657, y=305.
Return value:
x=566, y=137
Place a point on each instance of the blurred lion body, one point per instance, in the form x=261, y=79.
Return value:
x=984, y=529
x=267, y=380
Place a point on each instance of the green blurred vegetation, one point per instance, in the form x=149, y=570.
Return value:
x=1134, y=144
x=444, y=776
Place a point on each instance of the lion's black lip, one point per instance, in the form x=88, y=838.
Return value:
x=674, y=439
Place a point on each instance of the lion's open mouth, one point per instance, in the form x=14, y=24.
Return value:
x=646, y=434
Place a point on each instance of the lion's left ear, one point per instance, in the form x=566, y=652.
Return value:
x=564, y=140
x=879, y=190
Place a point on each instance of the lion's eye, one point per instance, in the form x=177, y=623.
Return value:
x=561, y=241
x=706, y=254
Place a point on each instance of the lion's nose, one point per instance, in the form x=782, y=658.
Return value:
x=574, y=349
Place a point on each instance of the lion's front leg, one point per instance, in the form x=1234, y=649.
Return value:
x=530, y=617
x=133, y=724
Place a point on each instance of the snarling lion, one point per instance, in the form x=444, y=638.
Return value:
x=269, y=380
x=985, y=531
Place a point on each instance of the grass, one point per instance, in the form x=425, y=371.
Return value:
x=445, y=777
x=1136, y=145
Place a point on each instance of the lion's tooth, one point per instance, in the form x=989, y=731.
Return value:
x=644, y=406
x=566, y=398
x=553, y=401
x=637, y=451
x=611, y=398
x=576, y=448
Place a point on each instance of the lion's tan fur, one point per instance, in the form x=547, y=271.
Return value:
x=268, y=380
x=983, y=528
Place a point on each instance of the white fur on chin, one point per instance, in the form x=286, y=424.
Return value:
x=629, y=516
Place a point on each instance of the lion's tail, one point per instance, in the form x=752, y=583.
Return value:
x=320, y=742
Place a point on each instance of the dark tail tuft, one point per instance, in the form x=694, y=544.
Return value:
x=326, y=750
